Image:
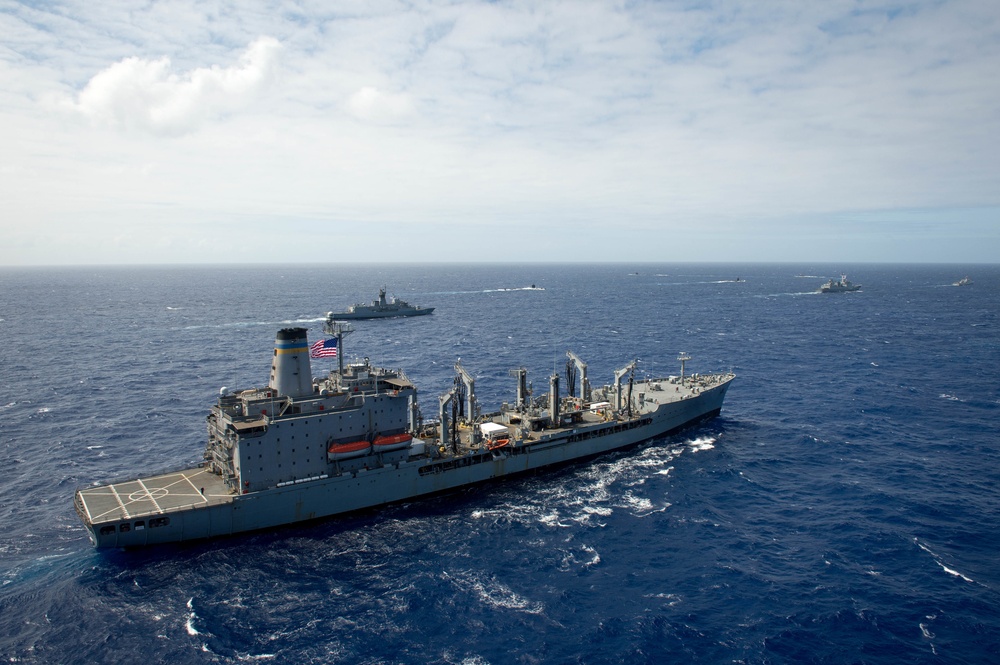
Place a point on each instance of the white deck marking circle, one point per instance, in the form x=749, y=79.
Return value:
x=148, y=494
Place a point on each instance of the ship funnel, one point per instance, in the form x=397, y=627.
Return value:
x=291, y=374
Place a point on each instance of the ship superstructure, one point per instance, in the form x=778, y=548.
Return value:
x=304, y=448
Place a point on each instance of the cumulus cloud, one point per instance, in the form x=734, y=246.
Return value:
x=148, y=95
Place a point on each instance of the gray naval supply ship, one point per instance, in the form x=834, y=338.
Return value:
x=383, y=308
x=305, y=448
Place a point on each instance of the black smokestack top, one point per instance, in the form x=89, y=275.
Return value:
x=291, y=333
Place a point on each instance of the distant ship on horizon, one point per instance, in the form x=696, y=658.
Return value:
x=843, y=285
x=379, y=309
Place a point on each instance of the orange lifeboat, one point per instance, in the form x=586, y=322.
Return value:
x=392, y=442
x=497, y=443
x=347, y=450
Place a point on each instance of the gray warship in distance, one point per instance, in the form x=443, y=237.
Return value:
x=843, y=285
x=379, y=309
x=304, y=448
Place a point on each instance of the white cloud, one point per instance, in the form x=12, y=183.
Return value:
x=371, y=104
x=723, y=125
x=146, y=94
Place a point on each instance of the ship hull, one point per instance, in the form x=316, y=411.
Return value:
x=324, y=497
x=358, y=316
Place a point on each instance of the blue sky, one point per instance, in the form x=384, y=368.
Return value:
x=215, y=132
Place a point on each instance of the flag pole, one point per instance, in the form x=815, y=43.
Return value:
x=340, y=349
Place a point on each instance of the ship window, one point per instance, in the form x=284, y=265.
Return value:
x=125, y=527
x=107, y=530
x=158, y=521
x=140, y=525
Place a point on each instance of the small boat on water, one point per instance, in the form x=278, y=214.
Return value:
x=965, y=281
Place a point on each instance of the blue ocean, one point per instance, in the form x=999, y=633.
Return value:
x=844, y=508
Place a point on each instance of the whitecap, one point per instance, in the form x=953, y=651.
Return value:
x=672, y=598
x=595, y=558
x=494, y=593
x=571, y=561
x=952, y=571
x=641, y=506
x=597, y=510
x=191, y=630
x=552, y=519
x=702, y=443
x=937, y=560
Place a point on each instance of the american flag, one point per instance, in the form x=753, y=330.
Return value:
x=324, y=348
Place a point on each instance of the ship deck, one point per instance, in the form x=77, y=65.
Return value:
x=155, y=495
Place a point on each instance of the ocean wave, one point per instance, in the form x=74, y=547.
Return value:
x=702, y=444
x=192, y=615
x=940, y=562
x=710, y=542
x=492, y=592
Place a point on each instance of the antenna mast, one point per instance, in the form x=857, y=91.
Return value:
x=683, y=357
